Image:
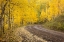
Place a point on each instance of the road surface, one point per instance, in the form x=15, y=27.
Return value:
x=49, y=35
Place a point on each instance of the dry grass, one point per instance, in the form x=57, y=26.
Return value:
x=22, y=35
x=27, y=36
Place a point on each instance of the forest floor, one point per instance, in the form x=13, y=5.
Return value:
x=49, y=35
x=34, y=33
x=21, y=34
x=25, y=36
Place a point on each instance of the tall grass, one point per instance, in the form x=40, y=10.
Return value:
x=56, y=24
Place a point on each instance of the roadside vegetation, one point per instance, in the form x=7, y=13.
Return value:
x=56, y=24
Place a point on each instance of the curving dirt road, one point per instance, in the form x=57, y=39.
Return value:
x=49, y=35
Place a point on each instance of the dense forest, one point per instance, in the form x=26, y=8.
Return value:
x=17, y=13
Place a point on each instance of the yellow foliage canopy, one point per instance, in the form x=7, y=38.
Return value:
x=31, y=11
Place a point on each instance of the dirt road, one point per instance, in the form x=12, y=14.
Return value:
x=49, y=35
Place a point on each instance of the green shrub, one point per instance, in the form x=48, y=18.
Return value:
x=56, y=24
